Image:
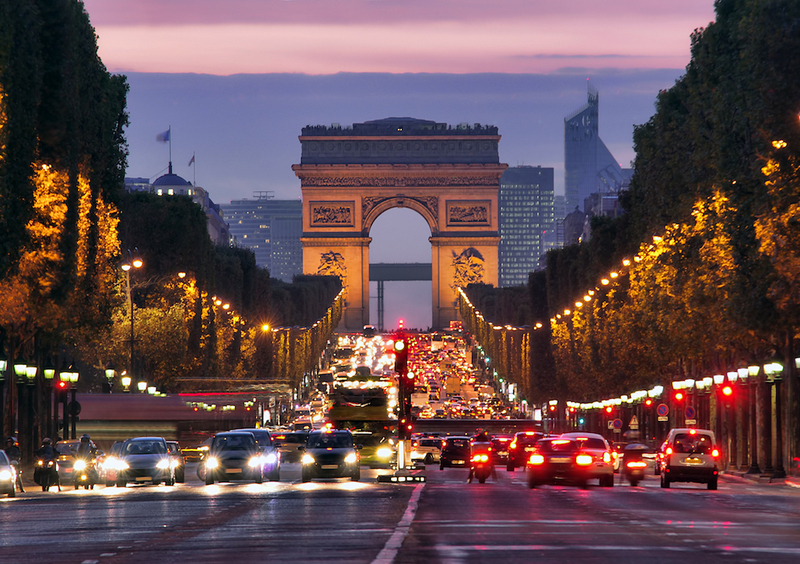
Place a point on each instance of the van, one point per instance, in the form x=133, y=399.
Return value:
x=690, y=455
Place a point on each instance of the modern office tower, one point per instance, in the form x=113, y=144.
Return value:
x=526, y=216
x=271, y=229
x=588, y=164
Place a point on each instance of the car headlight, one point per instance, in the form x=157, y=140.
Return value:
x=271, y=458
x=163, y=464
x=350, y=458
x=174, y=463
x=307, y=459
x=6, y=475
x=255, y=462
x=212, y=462
x=79, y=465
x=121, y=465
x=384, y=452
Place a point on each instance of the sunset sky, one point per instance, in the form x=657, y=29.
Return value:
x=238, y=79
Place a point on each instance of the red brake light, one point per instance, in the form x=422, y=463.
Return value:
x=606, y=457
x=669, y=450
x=513, y=445
x=637, y=464
x=583, y=459
x=537, y=459
x=715, y=453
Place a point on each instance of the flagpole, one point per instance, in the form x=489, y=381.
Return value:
x=170, y=147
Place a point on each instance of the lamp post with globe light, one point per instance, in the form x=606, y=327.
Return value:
x=134, y=262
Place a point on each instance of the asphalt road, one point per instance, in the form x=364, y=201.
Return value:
x=444, y=520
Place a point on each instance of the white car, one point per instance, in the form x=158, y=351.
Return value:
x=427, y=449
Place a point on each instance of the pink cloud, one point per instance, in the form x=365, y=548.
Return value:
x=326, y=36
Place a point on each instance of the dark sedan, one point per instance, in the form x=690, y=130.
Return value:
x=145, y=459
x=330, y=454
x=269, y=453
x=234, y=456
x=455, y=452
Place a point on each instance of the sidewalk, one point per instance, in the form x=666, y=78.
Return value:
x=791, y=481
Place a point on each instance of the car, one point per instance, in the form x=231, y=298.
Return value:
x=330, y=453
x=427, y=449
x=66, y=460
x=177, y=458
x=196, y=453
x=500, y=444
x=8, y=476
x=456, y=452
x=145, y=459
x=111, y=463
x=377, y=450
x=690, y=455
x=571, y=458
x=234, y=455
x=269, y=451
x=288, y=444
x=520, y=448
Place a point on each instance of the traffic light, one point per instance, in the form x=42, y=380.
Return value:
x=678, y=396
x=648, y=402
x=400, y=356
x=727, y=391
x=61, y=386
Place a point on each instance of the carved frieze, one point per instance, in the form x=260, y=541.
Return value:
x=335, y=214
x=469, y=213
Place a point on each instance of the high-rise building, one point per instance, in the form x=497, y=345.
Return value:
x=271, y=229
x=588, y=164
x=526, y=218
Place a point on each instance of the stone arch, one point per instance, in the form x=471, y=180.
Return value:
x=450, y=176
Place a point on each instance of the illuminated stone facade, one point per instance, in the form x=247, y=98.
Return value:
x=449, y=175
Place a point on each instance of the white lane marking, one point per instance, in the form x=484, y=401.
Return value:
x=461, y=551
x=392, y=546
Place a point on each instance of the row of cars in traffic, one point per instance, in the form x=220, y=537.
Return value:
x=687, y=455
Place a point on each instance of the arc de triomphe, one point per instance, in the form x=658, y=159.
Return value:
x=449, y=175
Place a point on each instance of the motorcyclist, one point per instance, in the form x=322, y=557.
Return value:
x=48, y=452
x=481, y=444
x=85, y=449
x=13, y=453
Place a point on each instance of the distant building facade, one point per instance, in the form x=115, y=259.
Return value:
x=589, y=167
x=526, y=218
x=271, y=229
x=173, y=185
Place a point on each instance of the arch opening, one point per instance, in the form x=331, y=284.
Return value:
x=400, y=236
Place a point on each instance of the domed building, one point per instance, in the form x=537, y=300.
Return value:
x=171, y=184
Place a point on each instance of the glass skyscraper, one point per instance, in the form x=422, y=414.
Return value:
x=589, y=166
x=272, y=230
x=526, y=220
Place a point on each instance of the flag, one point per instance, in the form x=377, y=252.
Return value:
x=191, y=161
x=163, y=137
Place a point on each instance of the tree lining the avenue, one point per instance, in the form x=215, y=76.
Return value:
x=67, y=225
x=711, y=220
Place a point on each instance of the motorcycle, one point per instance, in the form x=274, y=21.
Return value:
x=633, y=464
x=85, y=473
x=46, y=474
x=481, y=466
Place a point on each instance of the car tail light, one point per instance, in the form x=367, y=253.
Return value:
x=583, y=459
x=637, y=464
x=513, y=445
x=715, y=453
x=606, y=457
x=537, y=459
x=561, y=442
x=480, y=458
x=669, y=450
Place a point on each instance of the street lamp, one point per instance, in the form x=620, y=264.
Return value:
x=133, y=262
x=142, y=386
x=126, y=382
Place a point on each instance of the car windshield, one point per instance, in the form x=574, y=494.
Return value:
x=145, y=447
x=234, y=442
x=330, y=440
x=593, y=443
x=458, y=443
x=696, y=444
x=262, y=436
x=297, y=438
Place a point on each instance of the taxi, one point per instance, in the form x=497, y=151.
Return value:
x=690, y=455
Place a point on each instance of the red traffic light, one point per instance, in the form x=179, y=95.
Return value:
x=61, y=385
x=609, y=409
x=648, y=402
x=727, y=390
x=679, y=396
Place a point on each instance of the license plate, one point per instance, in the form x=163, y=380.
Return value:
x=692, y=460
x=329, y=466
x=458, y=462
x=560, y=459
x=233, y=470
x=68, y=470
x=143, y=478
